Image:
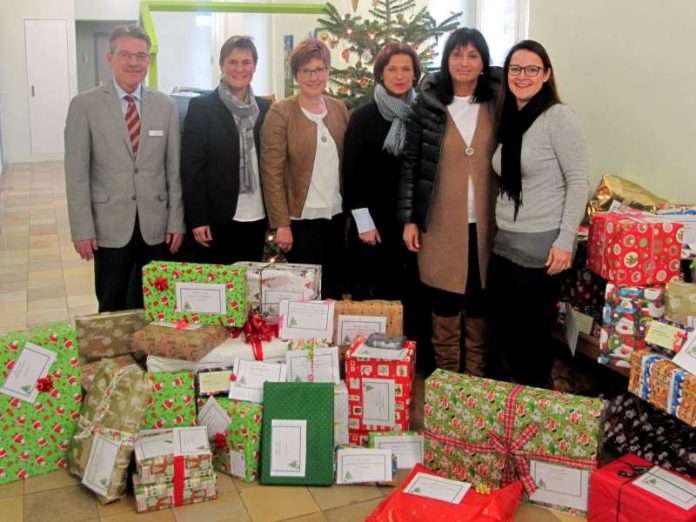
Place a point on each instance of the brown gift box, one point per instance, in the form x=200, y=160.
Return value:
x=107, y=335
x=191, y=345
x=89, y=370
x=392, y=310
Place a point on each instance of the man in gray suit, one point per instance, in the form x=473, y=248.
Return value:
x=122, y=173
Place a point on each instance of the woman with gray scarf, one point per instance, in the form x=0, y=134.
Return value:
x=220, y=163
x=372, y=164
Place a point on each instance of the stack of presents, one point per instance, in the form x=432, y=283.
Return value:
x=243, y=369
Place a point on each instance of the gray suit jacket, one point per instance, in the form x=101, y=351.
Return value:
x=106, y=185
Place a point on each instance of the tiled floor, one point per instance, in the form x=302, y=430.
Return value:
x=42, y=280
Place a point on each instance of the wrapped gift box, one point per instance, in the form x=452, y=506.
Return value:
x=659, y=381
x=195, y=293
x=163, y=469
x=153, y=497
x=393, y=311
x=172, y=403
x=495, y=506
x=635, y=426
x=89, y=370
x=237, y=450
x=232, y=348
x=634, y=249
x=613, y=190
x=35, y=429
x=680, y=300
x=270, y=283
x=492, y=432
x=584, y=290
x=298, y=403
x=615, y=496
x=628, y=311
x=174, y=343
x=112, y=409
x=340, y=414
x=398, y=371
x=107, y=335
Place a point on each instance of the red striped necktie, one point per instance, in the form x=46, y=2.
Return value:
x=133, y=122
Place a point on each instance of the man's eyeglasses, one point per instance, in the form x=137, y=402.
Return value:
x=531, y=70
x=309, y=73
x=126, y=56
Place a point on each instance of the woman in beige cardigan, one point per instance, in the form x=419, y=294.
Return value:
x=301, y=151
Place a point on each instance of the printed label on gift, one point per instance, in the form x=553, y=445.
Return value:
x=407, y=448
x=288, y=448
x=152, y=443
x=378, y=400
x=686, y=358
x=355, y=465
x=203, y=298
x=584, y=322
x=668, y=486
x=438, y=488
x=559, y=485
x=249, y=376
x=190, y=441
x=350, y=326
x=32, y=364
x=214, y=417
x=320, y=366
x=100, y=465
x=306, y=319
x=237, y=464
x=214, y=382
x=665, y=335
x=271, y=298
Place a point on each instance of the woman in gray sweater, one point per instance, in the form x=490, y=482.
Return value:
x=541, y=163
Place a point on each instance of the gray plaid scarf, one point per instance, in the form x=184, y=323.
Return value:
x=396, y=111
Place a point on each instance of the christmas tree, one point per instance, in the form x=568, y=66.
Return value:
x=361, y=39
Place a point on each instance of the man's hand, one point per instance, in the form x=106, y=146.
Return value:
x=284, y=238
x=202, y=235
x=174, y=240
x=371, y=237
x=86, y=248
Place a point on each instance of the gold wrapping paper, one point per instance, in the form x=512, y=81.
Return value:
x=191, y=345
x=680, y=300
x=88, y=370
x=392, y=310
x=105, y=335
x=615, y=188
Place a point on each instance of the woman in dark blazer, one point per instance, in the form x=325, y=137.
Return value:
x=220, y=164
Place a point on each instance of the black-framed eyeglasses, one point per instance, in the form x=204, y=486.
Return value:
x=530, y=70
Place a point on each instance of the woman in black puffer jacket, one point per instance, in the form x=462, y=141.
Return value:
x=447, y=195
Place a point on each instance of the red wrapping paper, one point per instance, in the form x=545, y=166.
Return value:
x=499, y=506
x=635, y=504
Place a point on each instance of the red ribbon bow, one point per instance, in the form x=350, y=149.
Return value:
x=220, y=440
x=44, y=384
x=256, y=331
x=161, y=283
x=181, y=325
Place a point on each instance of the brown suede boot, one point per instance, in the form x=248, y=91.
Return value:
x=476, y=345
x=446, y=337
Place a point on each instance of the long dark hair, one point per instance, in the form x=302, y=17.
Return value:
x=505, y=95
x=461, y=38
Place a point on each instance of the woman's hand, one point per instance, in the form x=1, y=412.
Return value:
x=284, y=238
x=412, y=237
x=202, y=235
x=558, y=260
x=371, y=237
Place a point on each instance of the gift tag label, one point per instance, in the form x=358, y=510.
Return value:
x=322, y=366
x=215, y=382
x=560, y=485
x=306, y=319
x=237, y=464
x=350, y=326
x=671, y=487
x=33, y=364
x=190, y=441
x=359, y=465
x=249, y=376
x=438, y=488
x=379, y=402
x=202, y=298
x=583, y=321
x=214, y=417
x=288, y=448
x=153, y=444
x=409, y=449
x=665, y=335
x=100, y=465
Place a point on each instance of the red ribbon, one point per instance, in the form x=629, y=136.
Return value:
x=181, y=325
x=256, y=331
x=161, y=283
x=516, y=465
x=220, y=440
x=178, y=480
x=44, y=384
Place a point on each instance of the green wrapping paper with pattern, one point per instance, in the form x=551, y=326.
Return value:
x=173, y=401
x=113, y=409
x=487, y=432
x=195, y=293
x=36, y=426
x=153, y=497
x=237, y=450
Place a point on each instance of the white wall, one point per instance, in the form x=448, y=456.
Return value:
x=627, y=67
x=106, y=9
x=14, y=95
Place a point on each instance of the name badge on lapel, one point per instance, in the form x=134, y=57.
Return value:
x=155, y=133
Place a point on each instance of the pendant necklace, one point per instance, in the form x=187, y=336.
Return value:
x=469, y=151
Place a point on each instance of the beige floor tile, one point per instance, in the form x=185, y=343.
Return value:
x=14, y=276
x=336, y=496
x=53, y=480
x=12, y=489
x=270, y=503
x=165, y=515
x=124, y=505
x=13, y=286
x=37, y=265
x=8, y=310
x=314, y=517
x=71, y=504
x=19, y=297
x=83, y=310
x=46, y=283
x=353, y=512
x=50, y=292
x=13, y=326
x=74, y=261
x=50, y=241
x=42, y=305
x=75, y=301
x=224, y=483
x=240, y=484
x=530, y=513
x=228, y=506
x=47, y=316
x=46, y=273
x=12, y=509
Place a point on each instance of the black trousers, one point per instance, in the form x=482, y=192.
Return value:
x=118, y=272
x=522, y=313
x=321, y=242
x=234, y=241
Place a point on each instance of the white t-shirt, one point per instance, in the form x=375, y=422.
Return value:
x=465, y=114
x=324, y=195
